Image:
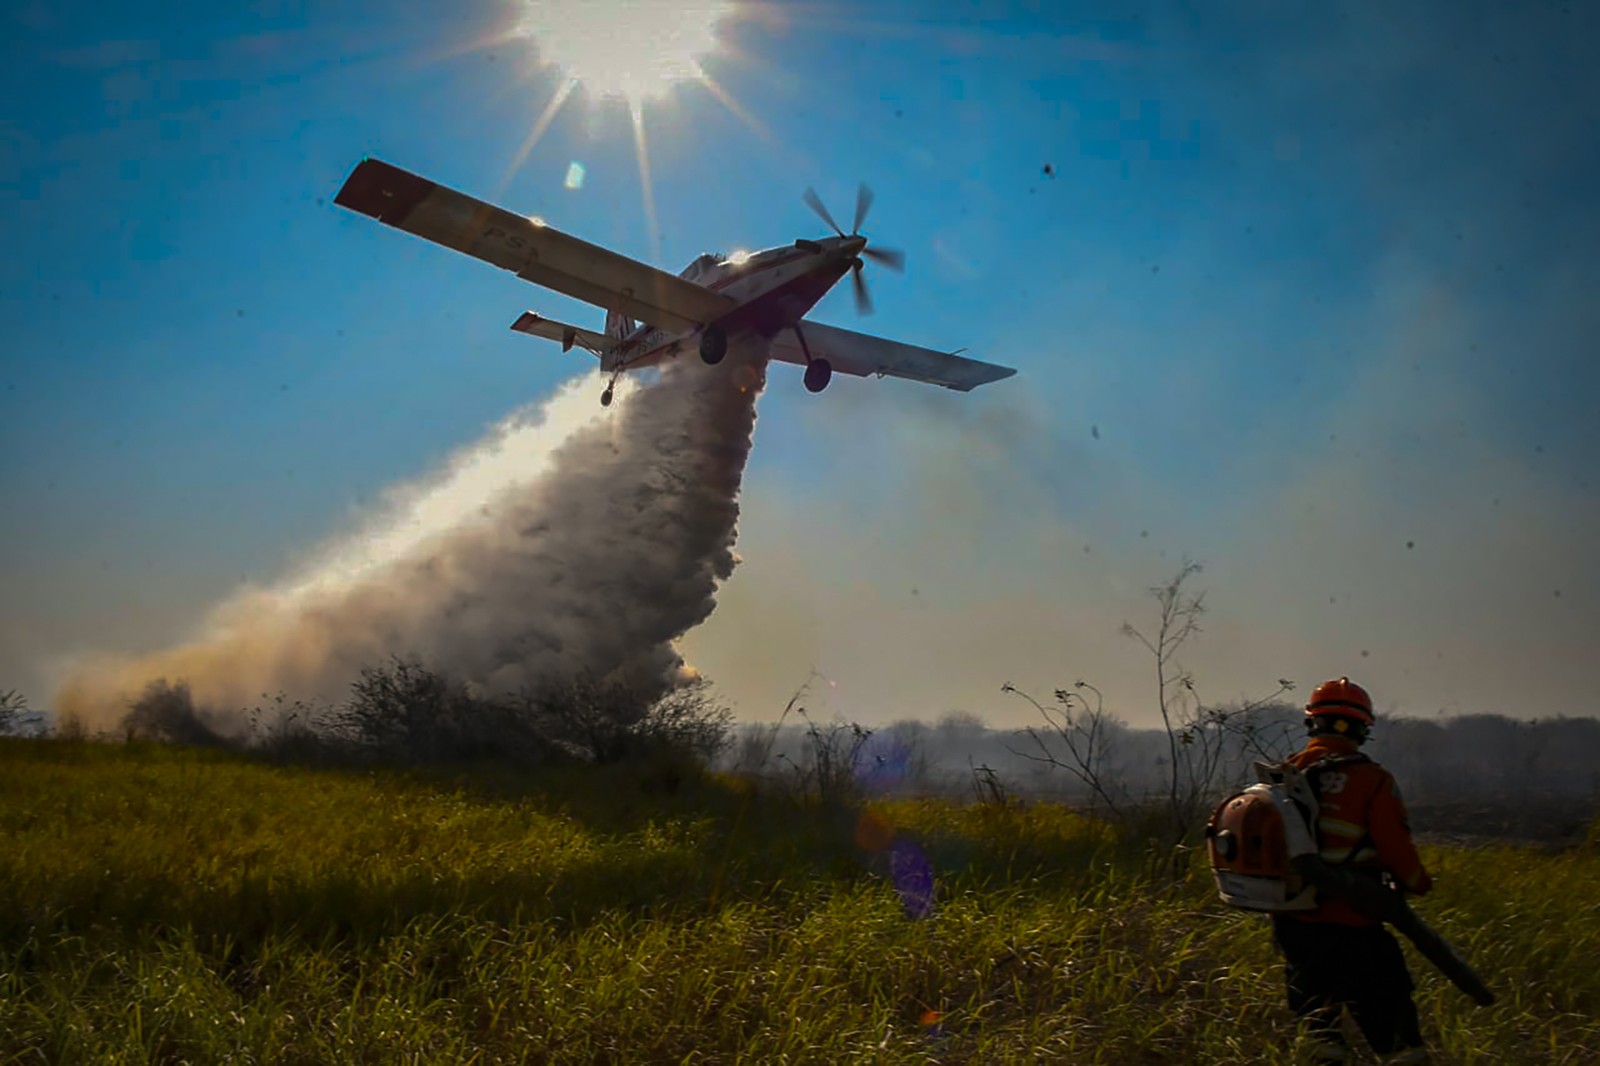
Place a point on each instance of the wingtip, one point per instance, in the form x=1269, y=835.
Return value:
x=382, y=191
x=995, y=372
x=988, y=374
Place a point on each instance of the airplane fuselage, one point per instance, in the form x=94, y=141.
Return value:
x=773, y=290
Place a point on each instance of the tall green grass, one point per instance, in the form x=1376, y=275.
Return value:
x=178, y=906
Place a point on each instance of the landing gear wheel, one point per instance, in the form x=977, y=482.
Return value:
x=818, y=373
x=713, y=346
x=605, y=397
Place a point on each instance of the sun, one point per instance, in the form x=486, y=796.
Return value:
x=628, y=50
x=625, y=49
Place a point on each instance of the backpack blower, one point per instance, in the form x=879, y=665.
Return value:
x=1264, y=858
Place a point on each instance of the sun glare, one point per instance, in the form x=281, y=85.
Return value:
x=629, y=49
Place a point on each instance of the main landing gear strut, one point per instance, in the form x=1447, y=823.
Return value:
x=818, y=371
x=714, y=346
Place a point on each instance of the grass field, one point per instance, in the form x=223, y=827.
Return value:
x=168, y=905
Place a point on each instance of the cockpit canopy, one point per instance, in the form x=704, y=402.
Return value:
x=703, y=266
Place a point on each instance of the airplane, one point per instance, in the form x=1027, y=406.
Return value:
x=653, y=315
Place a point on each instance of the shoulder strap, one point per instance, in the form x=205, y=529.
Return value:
x=1328, y=762
x=1293, y=783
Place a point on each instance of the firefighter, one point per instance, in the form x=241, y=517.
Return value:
x=1336, y=958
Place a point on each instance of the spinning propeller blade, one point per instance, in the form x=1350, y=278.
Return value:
x=814, y=202
x=863, y=298
x=863, y=204
x=893, y=258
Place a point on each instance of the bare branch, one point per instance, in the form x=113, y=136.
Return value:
x=1085, y=738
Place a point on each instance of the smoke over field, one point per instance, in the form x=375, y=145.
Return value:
x=569, y=540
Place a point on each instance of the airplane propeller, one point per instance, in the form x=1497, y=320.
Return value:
x=814, y=202
x=863, y=203
x=892, y=258
x=863, y=298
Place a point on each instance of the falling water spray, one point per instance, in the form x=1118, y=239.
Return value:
x=561, y=544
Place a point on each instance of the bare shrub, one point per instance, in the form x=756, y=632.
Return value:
x=165, y=711
x=830, y=764
x=1204, y=744
x=1081, y=738
x=12, y=705
x=611, y=719
x=987, y=788
x=294, y=730
x=399, y=710
x=751, y=748
x=1199, y=736
x=404, y=712
x=836, y=761
x=690, y=719
x=70, y=727
x=755, y=743
x=587, y=717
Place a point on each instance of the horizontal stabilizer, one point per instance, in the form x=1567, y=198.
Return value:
x=569, y=336
x=860, y=354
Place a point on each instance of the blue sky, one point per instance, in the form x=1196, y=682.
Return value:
x=1297, y=292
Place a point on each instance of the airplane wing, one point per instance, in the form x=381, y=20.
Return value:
x=530, y=249
x=858, y=353
x=587, y=339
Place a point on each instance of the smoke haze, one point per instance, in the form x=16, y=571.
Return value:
x=973, y=540
x=567, y=541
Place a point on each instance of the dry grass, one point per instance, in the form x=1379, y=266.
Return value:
x=179, y=906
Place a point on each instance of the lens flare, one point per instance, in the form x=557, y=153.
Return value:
x=874, y=832
x=912, y=875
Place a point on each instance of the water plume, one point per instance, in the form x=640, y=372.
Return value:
x=569, y=540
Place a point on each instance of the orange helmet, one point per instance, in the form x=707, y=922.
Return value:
x=1341, y=696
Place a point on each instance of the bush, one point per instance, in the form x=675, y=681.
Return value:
x=165, y=711
x=611, y=719
x=12, y=704
x=690, y=719
x=285, y=730
x=405, y=712
x=402, y=712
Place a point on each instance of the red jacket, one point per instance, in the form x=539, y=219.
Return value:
x=1361, y=823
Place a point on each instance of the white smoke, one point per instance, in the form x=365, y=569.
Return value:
x=569, y=540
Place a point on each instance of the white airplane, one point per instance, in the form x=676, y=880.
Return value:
x=763, y=294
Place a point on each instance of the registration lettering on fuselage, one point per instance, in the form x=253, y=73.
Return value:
x=651, y=339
